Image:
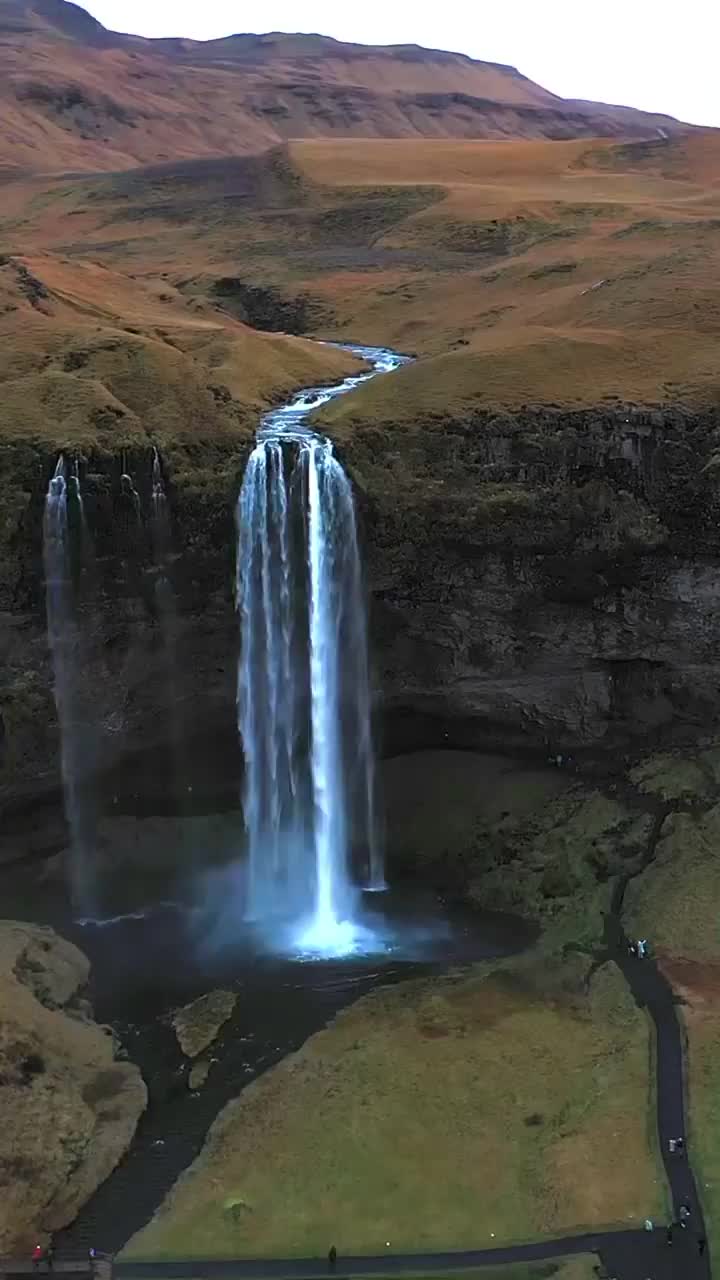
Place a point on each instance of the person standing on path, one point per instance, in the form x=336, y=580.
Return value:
x=684, y=1214
x=332, y=1259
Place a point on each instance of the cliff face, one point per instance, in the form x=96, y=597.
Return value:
x=543, y=582
x=547, y=579
x=155, y=706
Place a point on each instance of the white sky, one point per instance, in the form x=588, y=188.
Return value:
x=661, y=55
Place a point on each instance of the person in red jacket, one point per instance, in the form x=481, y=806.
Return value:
x=38, y=1255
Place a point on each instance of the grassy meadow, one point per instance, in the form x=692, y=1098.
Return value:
x=457, y=1113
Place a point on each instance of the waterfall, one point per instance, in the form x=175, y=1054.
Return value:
x=66, y=649
x=332, y=907
x=132, y=500
x=160, y=514
x=267, y=689
x=355, y=665
x=303, y=692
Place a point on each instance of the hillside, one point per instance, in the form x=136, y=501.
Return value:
x=561, y=273
x=90, y=356
x=523, y=272
x=77, y=97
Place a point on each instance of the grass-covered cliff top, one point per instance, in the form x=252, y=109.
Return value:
x=537, y=366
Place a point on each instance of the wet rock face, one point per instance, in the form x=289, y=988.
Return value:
x=494, y=660
x=546, y=579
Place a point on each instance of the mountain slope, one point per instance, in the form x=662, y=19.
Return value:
x=75, y=96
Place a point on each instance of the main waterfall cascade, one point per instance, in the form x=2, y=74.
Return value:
x=303, y=684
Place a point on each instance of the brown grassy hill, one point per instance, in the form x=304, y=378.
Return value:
x=75, y=96
x=581, y=272
x=524, y=272
x=92, y=358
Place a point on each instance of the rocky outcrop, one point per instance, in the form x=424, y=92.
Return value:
x=198, y=1024
x=69, y=1107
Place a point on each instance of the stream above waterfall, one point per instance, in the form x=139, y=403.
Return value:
x=291, y=420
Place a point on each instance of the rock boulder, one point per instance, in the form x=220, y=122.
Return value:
x=69, y=1109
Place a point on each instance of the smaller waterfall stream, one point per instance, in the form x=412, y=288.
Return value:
x=160, y=513
x=303, y=683
x=66, y=648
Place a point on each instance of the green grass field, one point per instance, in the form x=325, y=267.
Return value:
x=454, y=1113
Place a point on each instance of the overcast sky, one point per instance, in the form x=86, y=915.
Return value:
x=657, y=54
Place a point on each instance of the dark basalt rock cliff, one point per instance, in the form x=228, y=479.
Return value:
x=545, y=582
x=549, y=578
